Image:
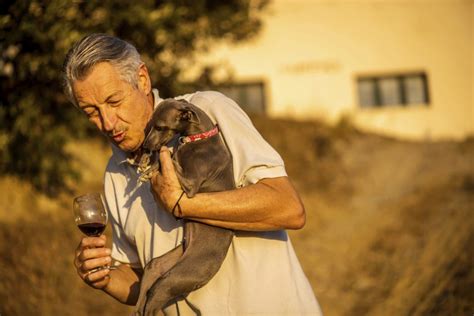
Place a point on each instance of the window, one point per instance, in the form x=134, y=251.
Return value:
x=250, y=96
x=393, y=90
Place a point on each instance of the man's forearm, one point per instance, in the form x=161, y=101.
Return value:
x=270, y=204
x=124, y=284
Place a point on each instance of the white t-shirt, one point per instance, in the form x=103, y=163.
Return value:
x=260, y=275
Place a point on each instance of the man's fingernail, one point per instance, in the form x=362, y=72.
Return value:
x=108, y=251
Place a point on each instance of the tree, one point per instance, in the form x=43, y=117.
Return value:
x=35, y=119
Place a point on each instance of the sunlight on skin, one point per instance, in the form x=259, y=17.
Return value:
x=119, y=110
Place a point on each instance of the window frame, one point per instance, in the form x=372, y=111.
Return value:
x=245, y=84
x=376, y=80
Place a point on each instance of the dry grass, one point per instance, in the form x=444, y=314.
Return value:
x=389, y=227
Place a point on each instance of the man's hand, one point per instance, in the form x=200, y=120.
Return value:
x=123, y=283
x=165, y=184
x=91, y=254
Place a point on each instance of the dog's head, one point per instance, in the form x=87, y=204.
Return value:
x=170, y=118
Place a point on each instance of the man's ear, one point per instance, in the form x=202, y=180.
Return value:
x=144, y=82
x=189, y=115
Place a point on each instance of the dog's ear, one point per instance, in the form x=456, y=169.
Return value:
x=189, y=115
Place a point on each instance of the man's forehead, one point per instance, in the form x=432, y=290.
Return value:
x=97, y=93
x=102, y=82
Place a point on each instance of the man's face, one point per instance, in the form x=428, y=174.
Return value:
x=118, y=109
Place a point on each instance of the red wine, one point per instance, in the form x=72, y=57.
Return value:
x=92, y=229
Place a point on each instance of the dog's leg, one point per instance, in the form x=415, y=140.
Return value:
x=195, y=268
x=153, y=270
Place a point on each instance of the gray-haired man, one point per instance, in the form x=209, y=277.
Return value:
x=261, y=275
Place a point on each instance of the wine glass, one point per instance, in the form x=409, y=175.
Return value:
x=91, y=218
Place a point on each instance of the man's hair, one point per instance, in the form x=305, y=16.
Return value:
x=96, y=48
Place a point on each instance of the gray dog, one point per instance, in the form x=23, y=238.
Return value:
x=203, y=164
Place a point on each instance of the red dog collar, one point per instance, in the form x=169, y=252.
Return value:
x=200, y=136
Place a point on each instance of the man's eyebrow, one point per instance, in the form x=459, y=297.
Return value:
x=83, y=105
x=115, y=94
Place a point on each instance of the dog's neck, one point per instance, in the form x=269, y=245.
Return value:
x=194, y=128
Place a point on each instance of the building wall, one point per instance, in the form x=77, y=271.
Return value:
x=310, y=53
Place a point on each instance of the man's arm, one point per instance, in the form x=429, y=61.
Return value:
x=123, y=283
x=270, y=204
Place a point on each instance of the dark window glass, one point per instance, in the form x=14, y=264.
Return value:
x=367, y=94
x=415, y=89
x=389, y=91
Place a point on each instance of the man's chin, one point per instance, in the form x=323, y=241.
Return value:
x=128, y=146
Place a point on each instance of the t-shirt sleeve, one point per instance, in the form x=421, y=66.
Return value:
x=123, y=250
x=253, y=158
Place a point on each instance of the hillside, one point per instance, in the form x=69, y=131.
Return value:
x=389, y=226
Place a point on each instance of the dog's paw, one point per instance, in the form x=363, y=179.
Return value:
x=144, y=177
x=147, y=174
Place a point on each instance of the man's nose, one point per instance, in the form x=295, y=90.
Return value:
x=109, y=118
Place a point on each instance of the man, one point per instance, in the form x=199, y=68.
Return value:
x=261, y=275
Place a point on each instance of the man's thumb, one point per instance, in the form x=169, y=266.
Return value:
x=165, y=159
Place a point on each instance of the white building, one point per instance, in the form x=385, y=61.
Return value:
x=397, y=67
